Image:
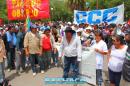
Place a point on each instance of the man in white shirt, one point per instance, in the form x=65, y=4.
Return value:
x=71, y=48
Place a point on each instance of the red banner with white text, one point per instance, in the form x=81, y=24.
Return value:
x=35, y=9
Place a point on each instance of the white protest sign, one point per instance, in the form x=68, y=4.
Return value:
x=88, y=65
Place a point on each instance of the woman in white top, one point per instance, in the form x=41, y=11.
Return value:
x=117, y=56
x=101, y=50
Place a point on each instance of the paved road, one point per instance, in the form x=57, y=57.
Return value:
x=26, y=78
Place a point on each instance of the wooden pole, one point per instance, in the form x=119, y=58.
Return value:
x=97, y=4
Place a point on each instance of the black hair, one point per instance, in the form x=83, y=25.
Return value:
x=112, y=25
x=10, y=27
x=99, y=33
x=120, y=38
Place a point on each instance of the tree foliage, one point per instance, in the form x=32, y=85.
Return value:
x=3, y=11
x=76, y=4
x=59, y=11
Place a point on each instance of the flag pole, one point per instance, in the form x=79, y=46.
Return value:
x=97, y=4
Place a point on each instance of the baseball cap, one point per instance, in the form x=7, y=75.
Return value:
x=79, y=30
x=33, y=26
x=89, y=28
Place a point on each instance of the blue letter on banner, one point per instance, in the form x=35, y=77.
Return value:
x=106, y=13
x=91, y=14
x=81, y=17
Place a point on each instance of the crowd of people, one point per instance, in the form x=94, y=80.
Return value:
x=44, y=44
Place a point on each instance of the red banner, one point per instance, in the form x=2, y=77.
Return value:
x=35, y=9
x=1, y=21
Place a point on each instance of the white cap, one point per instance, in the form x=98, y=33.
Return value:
x=79, y=30
x=69, y=23
x=89, y=28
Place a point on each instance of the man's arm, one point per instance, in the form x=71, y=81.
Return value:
x=104, y=51
x=41, y=39
x=79, y=49
x=26, y=43
x=61, y=49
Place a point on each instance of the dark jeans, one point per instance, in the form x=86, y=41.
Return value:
x=47, y=55
x=33, y=58
x=20, y=60
x=68, y=62
x=55, y=57
x=11, y=58
x=99, y=78
x=2, y=74
x=114, y=77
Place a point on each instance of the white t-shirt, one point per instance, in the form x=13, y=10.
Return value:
x=117, y=57
x=101, y=45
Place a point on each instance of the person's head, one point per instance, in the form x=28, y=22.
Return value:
x=69, y=32
x=33, y=28
x=95, y=27
x=112, y=26
x=98, y=35
x=118, y=40
x=81, y=25
x=59, y=27
x=79, y=32
x=127, y=36
x=47, y=31
x=54, y=31
x=10, y=29
x=88, y=29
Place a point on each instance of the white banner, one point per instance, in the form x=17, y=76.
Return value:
x=88, y=66
x=111, y=15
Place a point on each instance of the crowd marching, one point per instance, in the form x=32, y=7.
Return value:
x=44, y=44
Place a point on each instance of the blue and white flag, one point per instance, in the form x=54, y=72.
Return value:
x=111, y=15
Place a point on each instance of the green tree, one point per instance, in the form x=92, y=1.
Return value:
x=76, y=4
x=3, y=11
x=59, y=11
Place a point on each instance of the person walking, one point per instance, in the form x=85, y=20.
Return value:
x=48, y=45
x=20, y=57
x=32, y=48
x=116, y=59
x=11, y=44
x=55, y=50
x=71, y=48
